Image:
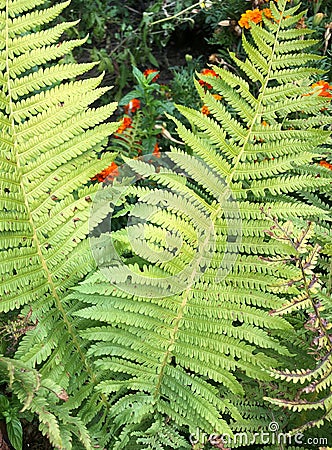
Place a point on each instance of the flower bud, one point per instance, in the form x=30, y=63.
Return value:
x=318, y=17
x=224, y=23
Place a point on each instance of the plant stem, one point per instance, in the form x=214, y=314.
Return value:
x=175, y=15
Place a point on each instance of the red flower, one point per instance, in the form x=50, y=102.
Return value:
x=325, y=88
x=156, y=150
x=325, y=164
x=149, y=71
x=208, y=73
x=132, y=106
x=126, y=123
x=205, y=110
x=110, y=173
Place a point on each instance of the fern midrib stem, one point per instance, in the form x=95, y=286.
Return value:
x=182, y=307
x=259, y=108
x=30, y=216
x=213, y=218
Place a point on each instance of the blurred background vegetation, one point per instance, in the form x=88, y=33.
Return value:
x=174, y=37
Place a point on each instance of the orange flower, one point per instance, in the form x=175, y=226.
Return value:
x=208, y=73
x=126, y=123
x=325, y=88
x=325, y=93
x=132, y=106
x=267, y=13
x=205, y=110
x=149, y=71
x=156, y=150
x=325, y=164
x=110, y=173
x=250, y=16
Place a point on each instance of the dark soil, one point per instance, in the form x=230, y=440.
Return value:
x=184, y=42
x=33, y=439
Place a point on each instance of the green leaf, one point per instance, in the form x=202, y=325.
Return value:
x=153, y=60
x=4, y=404
x=139, y=76
x=179, y=323
x=15, y=432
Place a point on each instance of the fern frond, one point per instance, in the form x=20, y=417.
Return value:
x=182, y=295
x=50, y=146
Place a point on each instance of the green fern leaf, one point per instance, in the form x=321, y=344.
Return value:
x=182, y=295
x=49, y=150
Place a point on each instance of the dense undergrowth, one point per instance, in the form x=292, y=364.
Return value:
x=165, y=275
x=159, y=34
